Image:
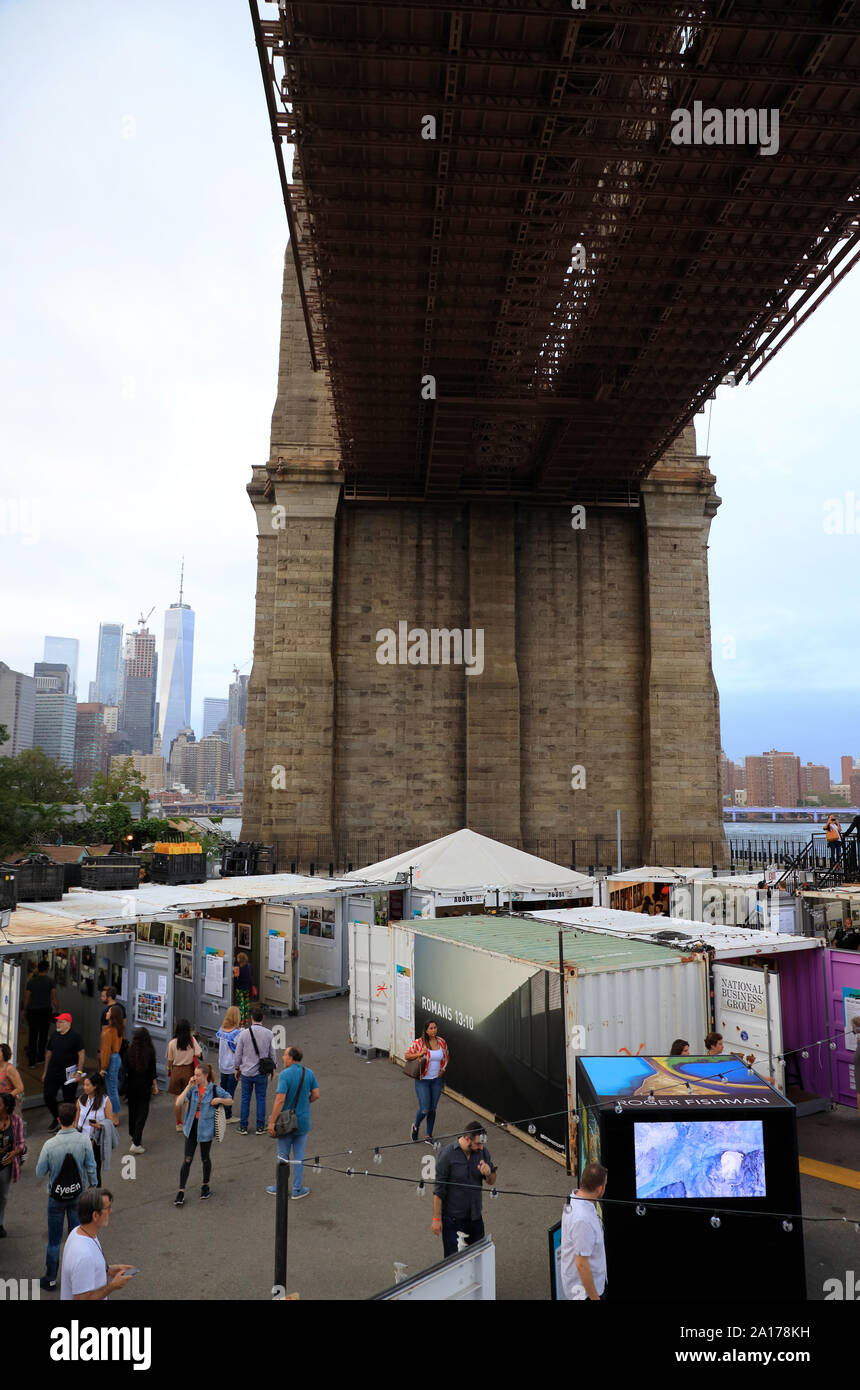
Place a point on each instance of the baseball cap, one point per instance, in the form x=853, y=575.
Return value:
x=62, y=1018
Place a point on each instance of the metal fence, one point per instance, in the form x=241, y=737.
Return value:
x=331, y=855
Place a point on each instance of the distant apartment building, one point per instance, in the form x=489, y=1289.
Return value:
x=815, y=782
x=237, y=703
x=111, y=718
x=840, y=791
x=212, y=761
x=740, y=796
x=137, y=716
x=854, y=788
x=54, y=712
x=92, y=743
x=151, y=766
x=214, y=713
x=237, y=758
x=17, y=710
x=773, y=779
x=732, y=776
x=182, y=765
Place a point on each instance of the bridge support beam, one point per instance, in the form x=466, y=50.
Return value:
x=681, y=740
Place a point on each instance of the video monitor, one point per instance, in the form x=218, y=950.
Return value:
x=699, y=1158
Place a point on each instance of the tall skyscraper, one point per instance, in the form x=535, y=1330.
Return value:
x=214, y=712
x=55, y=711
x=177, y=658
x=139, y=679
x=109, y=664
x=237, y=702
x=17, y=710
x=64, y=651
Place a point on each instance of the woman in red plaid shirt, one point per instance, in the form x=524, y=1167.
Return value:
x=433, y=1052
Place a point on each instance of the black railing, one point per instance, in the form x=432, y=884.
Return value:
x=818, y=866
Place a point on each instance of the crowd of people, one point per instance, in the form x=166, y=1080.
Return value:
x=85, y=1111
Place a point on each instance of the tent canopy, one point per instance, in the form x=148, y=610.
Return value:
x=468, y=862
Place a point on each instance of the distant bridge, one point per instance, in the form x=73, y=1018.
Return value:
x=797, y=813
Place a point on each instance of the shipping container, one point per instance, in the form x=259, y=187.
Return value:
x=496, y=986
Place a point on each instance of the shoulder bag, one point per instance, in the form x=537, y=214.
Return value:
x=414, y=1066
x=266, y=1065
x=288, y=1121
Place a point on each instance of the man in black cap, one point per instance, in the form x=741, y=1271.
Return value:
x=461, y=1171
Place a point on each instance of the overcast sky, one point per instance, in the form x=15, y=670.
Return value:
x=142, y=249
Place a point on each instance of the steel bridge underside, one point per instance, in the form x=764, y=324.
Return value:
x=449, y=161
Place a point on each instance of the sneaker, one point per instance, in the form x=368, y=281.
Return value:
x=234, y=1120
x=259, y=1131
x=242, y=1131
x=137, y=1149
x=302, y=1192
x=414, y=1135
x=49, y=1284
x=204, y=1192
x=273, y=1191
x=179, y=1129
x=52, y=1129
x=179, y=1199
x=431, y=1141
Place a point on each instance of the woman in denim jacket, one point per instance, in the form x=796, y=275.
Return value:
x=200, y=1097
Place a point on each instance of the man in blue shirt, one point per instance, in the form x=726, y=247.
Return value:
x=297, y=1090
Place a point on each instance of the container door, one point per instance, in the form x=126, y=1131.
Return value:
x=215, y=940
x=278, y=975
x=152, y=998
x=10, y=996
x=843, y=995
x=749, y=1019
x=371, y=988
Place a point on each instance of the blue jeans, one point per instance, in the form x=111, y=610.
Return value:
x=111, y=1077
x=258, y=1085
x=57, y=1214
x=428, y=1093
x=293, y=1146
x=229, y=1083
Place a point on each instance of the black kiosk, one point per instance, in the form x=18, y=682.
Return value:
x=702, y=1161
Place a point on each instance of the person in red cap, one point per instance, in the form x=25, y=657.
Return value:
x=64, y=1064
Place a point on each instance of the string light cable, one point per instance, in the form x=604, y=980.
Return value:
x=787, y=1218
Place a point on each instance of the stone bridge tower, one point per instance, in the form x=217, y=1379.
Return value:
x=596, y=691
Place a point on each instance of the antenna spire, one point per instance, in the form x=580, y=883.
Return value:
x=181, y=578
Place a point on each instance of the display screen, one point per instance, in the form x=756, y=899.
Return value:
x=699, y=1158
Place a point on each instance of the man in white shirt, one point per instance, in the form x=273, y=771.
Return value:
x=583, y=1252
x=86, y=1273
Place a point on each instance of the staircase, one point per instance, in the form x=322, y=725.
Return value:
x=812, y=867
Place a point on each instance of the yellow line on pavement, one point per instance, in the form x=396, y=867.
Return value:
x=846, y=1177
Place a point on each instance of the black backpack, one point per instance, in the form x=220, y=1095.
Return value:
x=68, y=1184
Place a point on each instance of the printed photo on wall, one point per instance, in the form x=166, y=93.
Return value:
x=187, y=968
x=177, y=964
x=327, y=932
x=168, y=933
x=243, y=936
x=314, y=927
x=143, y=931
x=61, y=967
x=116, y=975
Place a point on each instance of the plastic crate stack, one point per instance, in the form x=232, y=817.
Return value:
x=246, y=858
x=178, y=863
x=110, y=871
x=38, y=879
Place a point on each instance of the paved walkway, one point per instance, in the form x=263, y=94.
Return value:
x=345, y=1238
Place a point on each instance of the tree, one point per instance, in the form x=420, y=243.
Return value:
x=33, y=777
x=123, y=782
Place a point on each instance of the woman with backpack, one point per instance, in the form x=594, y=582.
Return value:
x=199, y=1099
x=109, y=1056
x=142, y=1085
x=93, y=1112
x=430, y=1052
x=183, y=1053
